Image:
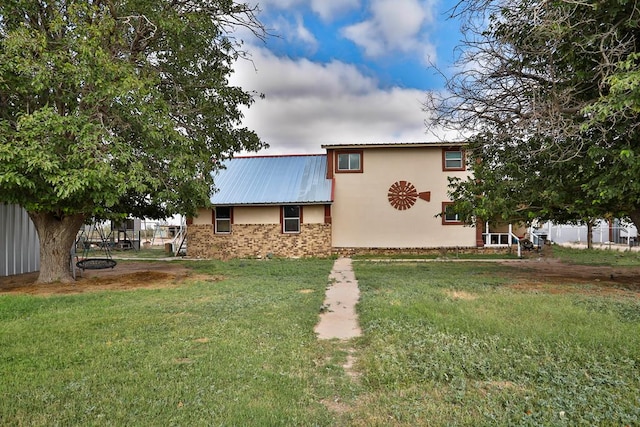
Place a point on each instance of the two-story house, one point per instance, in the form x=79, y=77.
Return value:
x=356, y=198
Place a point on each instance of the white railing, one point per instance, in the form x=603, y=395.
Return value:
x=501, y=240
x=537, y=240
x=179, y=241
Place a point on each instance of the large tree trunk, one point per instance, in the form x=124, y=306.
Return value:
x=589, y=235
x=57, y=235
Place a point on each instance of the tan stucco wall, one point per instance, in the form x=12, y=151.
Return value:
x=363, y=217
x=256, y=215
x=203, y=216
x=311, y=214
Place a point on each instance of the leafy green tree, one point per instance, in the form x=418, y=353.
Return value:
x=523, y=188
x=547, y=89
x=116, y=107
x=616, y=115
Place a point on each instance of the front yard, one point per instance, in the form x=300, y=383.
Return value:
x=232, y=343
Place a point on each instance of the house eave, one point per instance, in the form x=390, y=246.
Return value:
x=283, y=203
x=392, y=145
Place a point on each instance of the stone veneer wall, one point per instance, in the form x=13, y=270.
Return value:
x=259, y=240
x=442, y=252
x=314, y=240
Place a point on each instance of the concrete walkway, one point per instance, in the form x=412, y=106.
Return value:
x=339, y=319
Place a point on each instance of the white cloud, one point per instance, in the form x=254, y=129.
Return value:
x=394, y=26
x=284, y=78
x=364, y=35
x=293, y=29
x=309, y=104
x=279, y=4
x=294, y=32
x=303, y=34
x=329, y=10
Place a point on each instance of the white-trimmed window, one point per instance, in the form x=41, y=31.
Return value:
x=453, y=159
x=291, y=219
x=449, y=216
x=223, y=216
x=349, y=161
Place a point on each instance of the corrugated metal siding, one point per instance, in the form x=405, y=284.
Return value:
x=19, y=244
x=273, y=180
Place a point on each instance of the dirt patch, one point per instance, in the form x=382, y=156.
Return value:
x=349, y=365
x=125, y=276
x=461, y=295
x=336, y=405
x=538, y=275
x=553, y=276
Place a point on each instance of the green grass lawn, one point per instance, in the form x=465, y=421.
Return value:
x=454, y=344
x=609, y=257
x=153, y=252
x=240, y=351
x=444, y=344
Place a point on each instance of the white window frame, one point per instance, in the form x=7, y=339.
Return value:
x=297, y=219
x=450, y=219
x=455, y=156
x=219, y=220
x=351, y=162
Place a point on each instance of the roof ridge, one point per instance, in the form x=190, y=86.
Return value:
x=263, y=156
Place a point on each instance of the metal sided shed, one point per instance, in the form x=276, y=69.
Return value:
x=19, y=243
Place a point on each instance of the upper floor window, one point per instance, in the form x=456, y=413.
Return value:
x=453, y=159
x=349, y=161
x=291, y=219
x=222, y=221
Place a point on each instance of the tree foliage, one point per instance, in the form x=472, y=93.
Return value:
x=550, y=90
x=118, y=106
x=103, y=100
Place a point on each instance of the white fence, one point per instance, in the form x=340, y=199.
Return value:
x=616, y=231
x=19, y=244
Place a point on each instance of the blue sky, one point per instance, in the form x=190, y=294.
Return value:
x=345, y=71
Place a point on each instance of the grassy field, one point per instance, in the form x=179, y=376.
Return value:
x=454, y=344
x=609, y=257
x=153, y=252
x=444, y=344
x=238, y=351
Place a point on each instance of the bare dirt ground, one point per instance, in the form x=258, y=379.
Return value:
x=534, y=274
x=552, y=276
x=125, y=276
